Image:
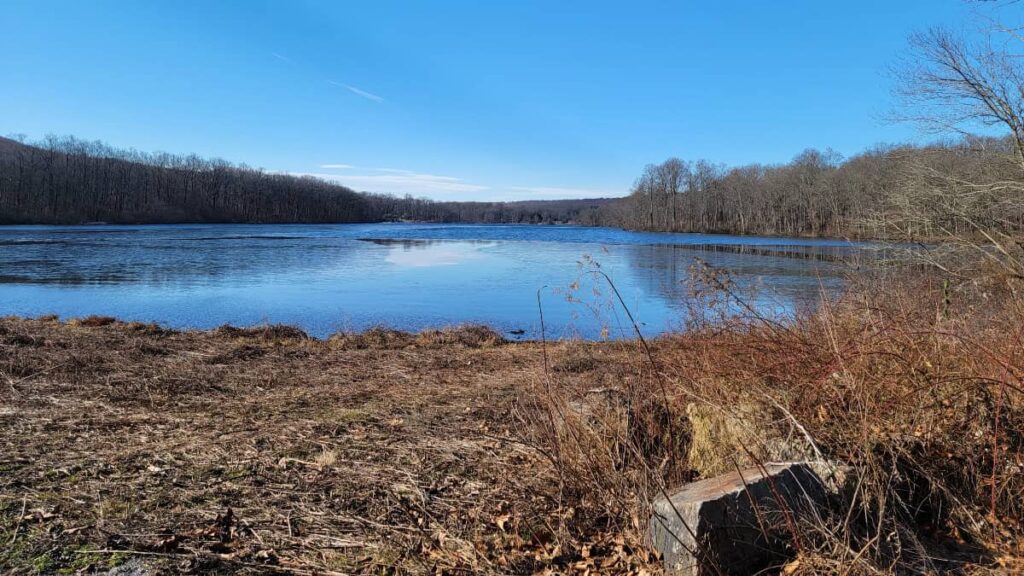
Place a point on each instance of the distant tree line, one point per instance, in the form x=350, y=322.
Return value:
x=530, y=211
x=874, y=194
x=820, y=194
x=67, y=180
x=948, y=188
x=70, y=181
x=388, y=207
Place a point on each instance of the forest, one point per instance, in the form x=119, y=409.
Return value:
x=877, y=193
x=66, y=180
x=872, y=194
x=71, y=181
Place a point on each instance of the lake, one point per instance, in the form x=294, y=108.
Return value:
x=326, y=278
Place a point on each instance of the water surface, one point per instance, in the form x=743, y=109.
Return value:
x=325, y=278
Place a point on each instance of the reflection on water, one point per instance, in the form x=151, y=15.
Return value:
x=324, y=278
x=820, y=253
x=404, y=242
x=434, y=253
x=775, y=280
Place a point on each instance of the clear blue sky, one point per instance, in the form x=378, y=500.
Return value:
x=476, y=99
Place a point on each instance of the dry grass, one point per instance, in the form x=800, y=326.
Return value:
x=262, y=450
x=389, y=339
x=913, y=383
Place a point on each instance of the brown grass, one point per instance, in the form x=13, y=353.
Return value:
x=915, y=385
x=92, y=321
x=468, y=336
x=262, y=450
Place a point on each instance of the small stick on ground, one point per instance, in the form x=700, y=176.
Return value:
x=21, y=518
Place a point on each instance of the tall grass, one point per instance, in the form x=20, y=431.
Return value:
x=912, y=382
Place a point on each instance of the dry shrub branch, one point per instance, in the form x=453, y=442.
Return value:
x=911, y=381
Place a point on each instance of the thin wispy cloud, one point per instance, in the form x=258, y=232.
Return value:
x=395, y=181
x=558, y=193
x=364, y=94
x=358, y=92
x=400, y=181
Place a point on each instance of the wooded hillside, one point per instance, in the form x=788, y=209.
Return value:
x=66, y=180
x=72, y=181
x=877, y=193
x=821, y=194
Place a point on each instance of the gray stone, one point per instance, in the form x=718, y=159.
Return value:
x=737, y=523
x=133, y=567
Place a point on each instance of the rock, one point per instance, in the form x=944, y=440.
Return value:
x=133, y=567
x=736, y=522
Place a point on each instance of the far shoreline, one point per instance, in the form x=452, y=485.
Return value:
x=848, y=239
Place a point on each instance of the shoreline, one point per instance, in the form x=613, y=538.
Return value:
x=470, y=334
x=843, y=238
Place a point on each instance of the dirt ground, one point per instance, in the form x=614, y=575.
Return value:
x=260, y=450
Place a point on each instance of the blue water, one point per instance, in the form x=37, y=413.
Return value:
x=326, y=278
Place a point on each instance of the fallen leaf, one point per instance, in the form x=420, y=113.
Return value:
x=502, y=520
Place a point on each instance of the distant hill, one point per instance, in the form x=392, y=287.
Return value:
x=71, y=181
x=571, y=211
x=66, y=180
x=9, y=146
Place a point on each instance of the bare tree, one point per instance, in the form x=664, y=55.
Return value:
x=957, y=86
x=976, y=201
